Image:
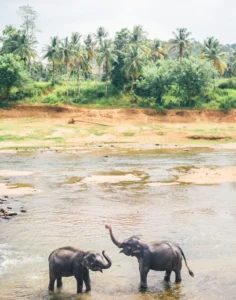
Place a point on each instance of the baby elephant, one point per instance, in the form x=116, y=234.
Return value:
x=69, y=261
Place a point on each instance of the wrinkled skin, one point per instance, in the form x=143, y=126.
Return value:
x=69, y=261
x=158, y=256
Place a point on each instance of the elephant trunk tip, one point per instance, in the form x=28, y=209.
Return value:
x=108, y=226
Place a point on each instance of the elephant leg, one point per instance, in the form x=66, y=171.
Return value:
x=87, y=280
x=51, y=284
x=59, y=282
x=167, y=276
x=143, y=277
x=178, y=278
x=79, y=284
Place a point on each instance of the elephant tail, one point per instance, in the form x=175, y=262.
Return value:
x=190, y=272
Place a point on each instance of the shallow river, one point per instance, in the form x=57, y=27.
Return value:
x=201, y=218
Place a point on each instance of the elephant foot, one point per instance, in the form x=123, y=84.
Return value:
x=143, y=286
x=88, y=290
x=178, y=280
x=167, y=278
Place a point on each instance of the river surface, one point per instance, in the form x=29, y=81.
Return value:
x=201, y=218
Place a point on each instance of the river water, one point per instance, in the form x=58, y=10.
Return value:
x=201, y=218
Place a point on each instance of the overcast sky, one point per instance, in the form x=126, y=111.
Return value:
x=159, y=17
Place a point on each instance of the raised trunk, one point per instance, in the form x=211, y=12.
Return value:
x=114, y=240
x=108, y=265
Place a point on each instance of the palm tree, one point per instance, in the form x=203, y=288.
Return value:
x=90, y=49
x=157, y=50
x=51, y=53
x=134, y=61
x=138, y=35
x=66, y=52
x=18, y=43
x=213, y=51
x=181, y=42
x=101, y=34
x=106, y=57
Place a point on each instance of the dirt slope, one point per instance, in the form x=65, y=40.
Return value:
x=117, y=115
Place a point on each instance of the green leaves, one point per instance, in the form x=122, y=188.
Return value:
x=11, y=74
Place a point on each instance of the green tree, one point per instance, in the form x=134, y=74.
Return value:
x=134, y=61
x=181, y=42
x=90, y=49
x=51, y=53
x=157, y=50
x=106, y=57
x=66, y=53
x=193, y=77
x=157, y=80
x=213, y=51
x=79, y=57
x=101, y=34
x=18, y=43
x=121, y=42
x=11, y=74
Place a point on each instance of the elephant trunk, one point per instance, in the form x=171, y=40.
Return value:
x=114, y=240
x=108, y=265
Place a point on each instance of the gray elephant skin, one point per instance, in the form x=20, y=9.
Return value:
x=159, y=256
x=69, y=261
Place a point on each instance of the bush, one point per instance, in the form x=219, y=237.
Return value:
x=228, y=84
x=51, y=99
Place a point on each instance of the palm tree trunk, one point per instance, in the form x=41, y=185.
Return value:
x=181, y=54
x=132, y=87
x=78, y=82
x=67, y=93
x=53, y=72
x=106, y=79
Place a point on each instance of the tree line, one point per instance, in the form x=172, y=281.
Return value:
x=130, y=61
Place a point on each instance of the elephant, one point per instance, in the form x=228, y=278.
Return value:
x=70, y=261
x=158, y=256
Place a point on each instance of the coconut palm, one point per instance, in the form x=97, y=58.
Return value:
x=106, y=57
x=134, y=61
x=213, y=51
x=157, y=50
x=51, y=53
x=181, y=42
x=101, y=34
x=18, y=43
x=138, y=35
x=66, y=53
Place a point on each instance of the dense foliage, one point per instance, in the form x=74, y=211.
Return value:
x=129, y=70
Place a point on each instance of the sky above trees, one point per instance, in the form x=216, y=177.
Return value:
x=159, y=18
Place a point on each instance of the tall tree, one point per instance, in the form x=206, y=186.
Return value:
x=133, y=63
x=181, y=41
x=138, y=35
x=90, y=49
x=121, y=42
x=106, y=57
x=17, y=42
x=157, y=50
x=66, y=52
x=101, y=34
x=29, y=16
x=213, y=51
x=11, y=74
x=79, y=57
x=51, y=53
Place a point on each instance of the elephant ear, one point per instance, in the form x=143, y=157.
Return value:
x=87, y=260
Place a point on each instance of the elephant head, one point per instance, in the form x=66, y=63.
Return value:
x=131, y=246
x=95, y=262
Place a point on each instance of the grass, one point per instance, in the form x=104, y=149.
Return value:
x=128, y=133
